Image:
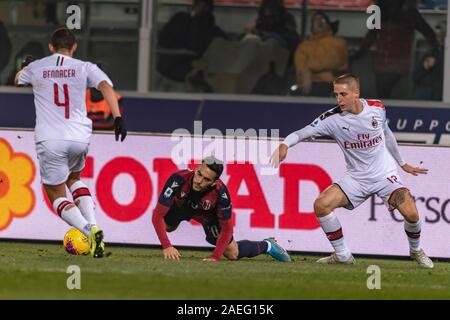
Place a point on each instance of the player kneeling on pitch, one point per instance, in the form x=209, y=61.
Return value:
x=63, y=130
x=200, y=195
x=360, y=129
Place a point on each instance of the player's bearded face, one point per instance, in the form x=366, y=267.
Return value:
x=347, y=96
x=203, y=178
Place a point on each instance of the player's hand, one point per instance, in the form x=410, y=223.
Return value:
x=27, y=60
x=278, y=155
x=119, y=128
x=171, y=253
x=414, y=170
x=210, y=259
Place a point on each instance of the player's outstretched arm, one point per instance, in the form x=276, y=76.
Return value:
x=110, y=97
x=291, y=140
x=392, y=146
x=165, y=201
x=224, y=238
x=316, y=128
x=169, y=252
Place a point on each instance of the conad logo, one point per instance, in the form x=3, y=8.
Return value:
x=255, y=200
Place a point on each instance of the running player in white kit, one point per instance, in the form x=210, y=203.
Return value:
x=360, y=129
x=63, y=129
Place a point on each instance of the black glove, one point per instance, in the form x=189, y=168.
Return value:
x=27, y=60
x=119, y=128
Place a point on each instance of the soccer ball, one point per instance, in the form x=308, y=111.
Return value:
x=75, y=242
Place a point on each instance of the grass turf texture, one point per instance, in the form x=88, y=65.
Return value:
x=38, y=271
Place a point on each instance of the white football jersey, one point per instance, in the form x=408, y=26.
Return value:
x=360, y=136
x=59, y=86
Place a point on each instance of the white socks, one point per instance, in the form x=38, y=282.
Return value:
x=72, y=215
x=333, y=230
x=82, y=198
x=269, y=245
x=413, y=232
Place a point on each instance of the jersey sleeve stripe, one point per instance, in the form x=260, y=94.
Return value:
x=375, y=103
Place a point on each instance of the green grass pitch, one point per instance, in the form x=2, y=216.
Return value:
x=38, y=271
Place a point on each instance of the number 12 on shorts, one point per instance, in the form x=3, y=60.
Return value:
x=392, y=179
x=65, y=103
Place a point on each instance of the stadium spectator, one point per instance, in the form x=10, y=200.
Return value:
x=360, y=129
x=429, y=71
x=63, y=130
x=320, y=58
x=5, y=47
x=259, y=62
x=428, y=76
x=275, y=22
x=50, y=12
x=394, y=43
x=270, y=83
x=182, y=40
x=200, y=195
x=241, y=66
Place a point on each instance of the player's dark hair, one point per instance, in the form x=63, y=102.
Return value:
x=214, y=164
x=62, y=38
x=348, y=78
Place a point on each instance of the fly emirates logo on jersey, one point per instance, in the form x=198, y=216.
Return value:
x=364, y=141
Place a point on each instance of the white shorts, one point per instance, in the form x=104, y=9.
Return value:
x=358, y=191
x=58, y=158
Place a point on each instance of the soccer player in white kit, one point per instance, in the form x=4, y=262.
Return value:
x=63, y=129
x=360, y=129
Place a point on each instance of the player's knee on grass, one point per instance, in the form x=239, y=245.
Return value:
x=232, y=251
x=231, y=255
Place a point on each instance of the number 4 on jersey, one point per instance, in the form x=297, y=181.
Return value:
x=65, y=103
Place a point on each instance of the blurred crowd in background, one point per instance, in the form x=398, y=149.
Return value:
x=266, y=47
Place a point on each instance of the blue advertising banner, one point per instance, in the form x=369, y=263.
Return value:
x=410, y=124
